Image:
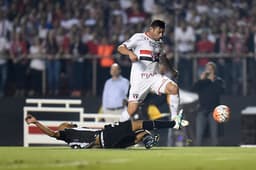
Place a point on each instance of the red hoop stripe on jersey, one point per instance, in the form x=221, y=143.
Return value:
x=146, y=52
x=36, y=130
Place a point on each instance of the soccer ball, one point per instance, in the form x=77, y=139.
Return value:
x=221, y=113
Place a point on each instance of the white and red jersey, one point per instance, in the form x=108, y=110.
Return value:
x=148, y=53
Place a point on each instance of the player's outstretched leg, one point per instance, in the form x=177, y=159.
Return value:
x=176, y=123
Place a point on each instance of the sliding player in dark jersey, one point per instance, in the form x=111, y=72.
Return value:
x=117, y=135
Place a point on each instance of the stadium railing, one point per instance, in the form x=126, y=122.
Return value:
x=193, y=56
x=32, y=135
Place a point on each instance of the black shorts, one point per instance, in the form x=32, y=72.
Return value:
x=117, y=135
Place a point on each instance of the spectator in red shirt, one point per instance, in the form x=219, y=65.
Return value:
x=203, y=46
x=18, y=54
x=53, y=64
x=136, y=14
x=92, y=45
x=78, y=50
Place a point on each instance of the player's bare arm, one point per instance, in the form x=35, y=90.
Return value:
x=122, y=49
x=166, y=62
x=32, y=120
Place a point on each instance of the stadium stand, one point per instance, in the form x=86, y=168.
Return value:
x=228, y=26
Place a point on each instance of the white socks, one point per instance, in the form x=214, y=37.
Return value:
x=174, y=101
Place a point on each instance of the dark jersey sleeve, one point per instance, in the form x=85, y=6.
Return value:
x=78, y=135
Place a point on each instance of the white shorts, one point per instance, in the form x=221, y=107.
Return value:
x=156, y=84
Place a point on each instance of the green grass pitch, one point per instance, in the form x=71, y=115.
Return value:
x=158, y=158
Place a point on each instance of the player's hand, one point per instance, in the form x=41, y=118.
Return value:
x=175, y=73
x=204, y=75
x=30, y=119
x=133, y=57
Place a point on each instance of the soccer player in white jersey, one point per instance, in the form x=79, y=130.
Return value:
x=145, y=52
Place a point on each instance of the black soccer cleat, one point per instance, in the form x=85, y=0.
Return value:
x=148, y=141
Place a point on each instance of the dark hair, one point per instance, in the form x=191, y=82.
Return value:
x=158, y=23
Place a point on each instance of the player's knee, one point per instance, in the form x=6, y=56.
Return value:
x=131, y=110
x=172, y=89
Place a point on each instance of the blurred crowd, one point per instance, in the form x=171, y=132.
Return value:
x=55, y=41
